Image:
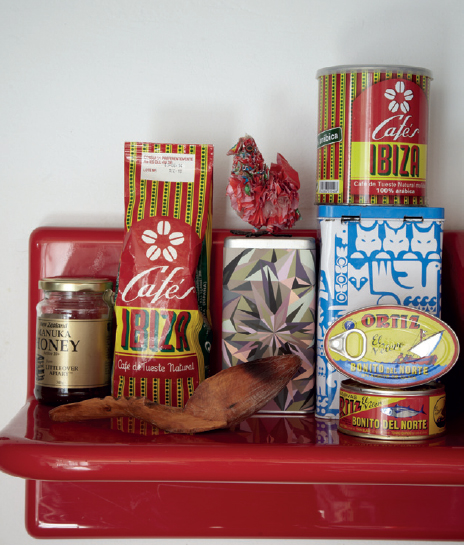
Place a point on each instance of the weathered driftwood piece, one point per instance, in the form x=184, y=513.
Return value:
x=221, y=401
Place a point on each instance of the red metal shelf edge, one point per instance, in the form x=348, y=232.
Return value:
x=243, y=510
x=220, y=456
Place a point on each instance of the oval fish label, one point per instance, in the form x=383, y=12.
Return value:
x=391, y=346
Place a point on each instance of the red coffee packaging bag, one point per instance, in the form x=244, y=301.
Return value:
x=163, y=336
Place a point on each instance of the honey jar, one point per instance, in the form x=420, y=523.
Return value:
x=74, y=340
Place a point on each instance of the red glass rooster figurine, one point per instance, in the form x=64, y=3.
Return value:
x=265, y=197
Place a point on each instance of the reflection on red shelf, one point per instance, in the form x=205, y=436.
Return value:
x=272, y=476
x=265, y=429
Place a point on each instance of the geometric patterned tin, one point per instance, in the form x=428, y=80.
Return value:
x=269, y=308
x=370, y=256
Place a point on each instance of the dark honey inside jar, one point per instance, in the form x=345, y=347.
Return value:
x=74, y=340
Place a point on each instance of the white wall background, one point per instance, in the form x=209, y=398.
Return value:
x=80, y=77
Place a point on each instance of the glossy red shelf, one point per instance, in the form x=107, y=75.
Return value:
x=263, y=449
x=272, y=476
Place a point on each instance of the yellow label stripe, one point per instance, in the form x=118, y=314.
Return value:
x=165, y=203
x=143, y=192
x=177, y=200
x=154, y=188
x=190, y=386
x=202, y=189
x=132, y=167
x=156, y=390
x=180, y=392
x=341, y=147
x=166, y=191
x=190, y=193
x=353, y=91
x=153, y=198
x=416, y=166
x=326, y=124
x=364, y=80
x=121, y=383
x=143, y=196
x=167, y=392
x=319, y=151
x=333, y=97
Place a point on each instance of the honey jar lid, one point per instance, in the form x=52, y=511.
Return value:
x=98, y=285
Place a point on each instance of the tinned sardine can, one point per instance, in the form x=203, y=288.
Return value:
x=372, y=135
x=403, y=415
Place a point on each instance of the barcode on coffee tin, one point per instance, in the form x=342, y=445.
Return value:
x=329, y=186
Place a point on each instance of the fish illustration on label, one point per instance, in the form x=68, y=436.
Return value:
x=392, y=346
x=402, y=412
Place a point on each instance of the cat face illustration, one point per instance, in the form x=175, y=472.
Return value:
x=358, y=278
x=424, y=241
x=396, y=240
x=367, y=240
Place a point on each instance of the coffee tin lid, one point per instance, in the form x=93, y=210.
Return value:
x=98, y=285
x=348, y=68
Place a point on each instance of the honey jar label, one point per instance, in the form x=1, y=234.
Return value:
x=73, y=353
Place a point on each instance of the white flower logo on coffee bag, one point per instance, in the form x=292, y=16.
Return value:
x=162, y=242
x=399, y=97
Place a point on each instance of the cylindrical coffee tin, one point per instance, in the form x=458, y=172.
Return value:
x=372, y=135
x=402, y=415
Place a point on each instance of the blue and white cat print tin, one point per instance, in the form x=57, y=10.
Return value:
x=373, y=256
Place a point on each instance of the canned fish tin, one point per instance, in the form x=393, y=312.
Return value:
x=391, y=346
x=402, y=415
x=372, y=135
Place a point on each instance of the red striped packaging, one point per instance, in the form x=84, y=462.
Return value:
x=372, y=135
x=163, y=335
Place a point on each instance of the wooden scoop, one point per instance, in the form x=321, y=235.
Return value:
x=221, y=401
